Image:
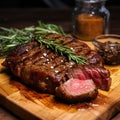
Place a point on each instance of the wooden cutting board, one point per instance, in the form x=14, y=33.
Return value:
x=31, y=105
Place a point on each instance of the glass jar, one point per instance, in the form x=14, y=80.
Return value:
x=90, y=19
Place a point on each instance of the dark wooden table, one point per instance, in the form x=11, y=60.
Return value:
x=19, y=18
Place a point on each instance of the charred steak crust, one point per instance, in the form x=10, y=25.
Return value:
x=45, y=70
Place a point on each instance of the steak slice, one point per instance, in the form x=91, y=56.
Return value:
x=99, y=75
x=75, y=90
x=46, y=70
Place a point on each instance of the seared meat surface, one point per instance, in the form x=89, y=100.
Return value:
x=47, y=71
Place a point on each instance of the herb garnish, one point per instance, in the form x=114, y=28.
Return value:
x=62, y=50
x=11, y=37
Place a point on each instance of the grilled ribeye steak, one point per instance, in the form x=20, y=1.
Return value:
x=46, y=70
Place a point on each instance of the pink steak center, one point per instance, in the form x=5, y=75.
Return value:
x=76, y=86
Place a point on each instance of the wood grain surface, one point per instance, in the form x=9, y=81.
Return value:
x=29, y=104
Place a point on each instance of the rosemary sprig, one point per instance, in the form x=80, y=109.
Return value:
x=11, y=37
x=62, y=50
x=48, y=28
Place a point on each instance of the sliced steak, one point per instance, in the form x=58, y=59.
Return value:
x=99, y=75
x=45, y=70
x=75, y=90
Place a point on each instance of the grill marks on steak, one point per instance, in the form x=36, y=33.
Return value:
x=40, y=78
x=45, y=70
x=79, y=47
x=30, y=55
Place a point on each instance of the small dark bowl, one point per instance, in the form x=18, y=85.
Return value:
x=108, y=46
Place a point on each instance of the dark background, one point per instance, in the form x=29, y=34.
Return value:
x=46, y=3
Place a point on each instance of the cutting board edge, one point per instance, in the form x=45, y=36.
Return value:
x=16, y=110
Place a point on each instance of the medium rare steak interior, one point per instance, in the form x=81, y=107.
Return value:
x=49, y=72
